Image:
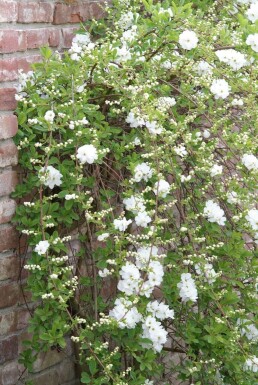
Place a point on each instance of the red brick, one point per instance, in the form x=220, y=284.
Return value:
x=8, y=241
x=8, y=126
x=7, y=210
x=9, y=267
x=65, y=13
x=8, y=153
x=8, y=181
x=10, y=67
x=35, y=12
x=68, y=35
x=54, y=37
x=12, y=41
x=8, y=349
x=10, y=373
x=13, y=321
x=10, y=294
x=8, y=11
x=7, y=100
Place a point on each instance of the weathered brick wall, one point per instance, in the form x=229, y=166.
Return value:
x=24, y=27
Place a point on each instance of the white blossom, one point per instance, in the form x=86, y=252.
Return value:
x=50, y=176
x=142, y=219
x=125, y=313
x=220, y=88
x=208, y=272
x=122, y=224
x=251, y=364
x=142, y=171
x=188, y=40
x=69, y=197
x=250, y=161
x=134, y=204
x=214, y=213
x=49, y=116
x=204, y=68
x=252, y=218
x=42, y=247
x=233, y=58
x=216, y=170
x=188, y=291
x=252, y=12
x=87, y=154
x=162, y=188
x=154, y=331
x=103, y=236
x=160, y=310
x=252, y=40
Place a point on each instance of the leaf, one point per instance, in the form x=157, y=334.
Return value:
x=85, y=379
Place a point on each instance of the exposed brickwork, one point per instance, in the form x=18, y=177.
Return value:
x=25, y=26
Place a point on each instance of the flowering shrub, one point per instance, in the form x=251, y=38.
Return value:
x=139, y=152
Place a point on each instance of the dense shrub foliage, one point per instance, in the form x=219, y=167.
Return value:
x=138, y=149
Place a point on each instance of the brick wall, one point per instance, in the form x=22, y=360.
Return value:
x=24, y=27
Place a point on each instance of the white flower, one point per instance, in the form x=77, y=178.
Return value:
x=188, y=291
x=252, y=218
x=220, y=88
x=204, y=68
x=237, y=102
x=154, y=127
x=160, y=310
x=126, y=20
x=82, y=39
x=87, y=154
x=233, y=58
x=122, y=224
x=162, y=188
x=252, y=40
x=134, y=121
x=216, y=170
x=154, y=331
x=155, y=273
x=50, y=176
x=125, y=313
x=123, y=54
x=251, y=364
x=42, y=247
x=130, y=279
x=208, y=272
x=103, y=236
x=69, y=197
x=166, y=11
x=252, y=12
x=206, y=134
x=134, y=204
x=104, y=273
x=54, y=276
x=148, y=382
x=130, y=34
x=142, y=171
x=142, y=219
x=232, y=197
x=248, y=330
x=180, y=150
x=188, y=40
x=250, y=161
x=214, y=213
x=165, y=102
x=49, y=116
x=145, y=255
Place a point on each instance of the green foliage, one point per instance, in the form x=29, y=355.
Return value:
x=139, y=96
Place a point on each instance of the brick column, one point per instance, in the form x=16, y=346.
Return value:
x=24, y=27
